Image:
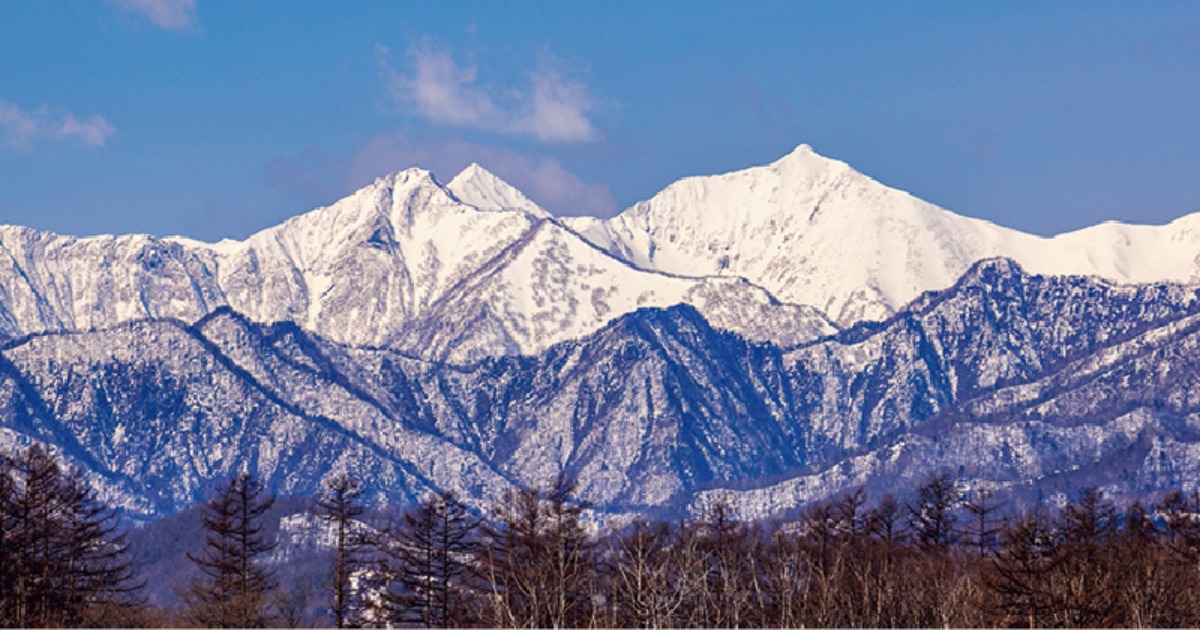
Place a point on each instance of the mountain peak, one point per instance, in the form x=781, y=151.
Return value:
x=476, y=186
x=803, y=161
x=802, y=149
x=412, y=175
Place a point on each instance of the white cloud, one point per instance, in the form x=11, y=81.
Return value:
x=443, y=92
x=558, y=108
x=17, y=127
x=552, y=108
x=175, y=15
x=93, y=132
x=21, y=129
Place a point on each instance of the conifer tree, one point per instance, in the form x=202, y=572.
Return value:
x=983, y=530
x=427, y=563
x=233, y=589
x=339, y=504
x=63, y=561
x=932, y=518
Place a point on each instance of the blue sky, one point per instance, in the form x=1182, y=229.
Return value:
x=216, y=118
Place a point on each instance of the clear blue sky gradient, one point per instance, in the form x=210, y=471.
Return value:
x=1043, y=116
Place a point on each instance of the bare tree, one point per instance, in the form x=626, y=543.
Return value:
x=538, y=561
x=655, y=570
x=730, y=550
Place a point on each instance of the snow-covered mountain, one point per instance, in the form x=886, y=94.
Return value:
x=1032, y=384
x=359, y=270
x=429, y=337
x=458, y=272
x=476, y=186
x=812, y=230
x=475, y=268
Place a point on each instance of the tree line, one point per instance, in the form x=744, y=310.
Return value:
x=946, y=556
x=63, y=560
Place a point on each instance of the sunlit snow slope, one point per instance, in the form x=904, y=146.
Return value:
x=454, y=272
x=812, y=230
x=475, y=268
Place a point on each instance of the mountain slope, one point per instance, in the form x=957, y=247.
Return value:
x=1125, y=419
x=1024, y=381
x=811, y=230
x=459, y=272
x=158, y=413
x=552, y=286
x=475, y=268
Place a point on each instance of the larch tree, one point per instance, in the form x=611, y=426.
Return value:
x=339, y=504
x=427, y=564
x=233, y=589
x=63, y=561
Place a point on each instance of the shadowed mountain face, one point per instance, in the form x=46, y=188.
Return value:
x=1038, y=384
x=713, y=340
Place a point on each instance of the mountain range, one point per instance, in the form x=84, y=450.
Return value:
x=771, y=336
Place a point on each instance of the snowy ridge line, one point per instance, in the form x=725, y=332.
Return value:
x=296, y=409
x=1081, y=371
x=270, y=336
x=812, y=230
x=16, y=342
x=397, y=262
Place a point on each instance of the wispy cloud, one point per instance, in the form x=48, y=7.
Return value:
x=94, y=131
x=21, y=129
x=551, y=108
x=557, y=108
x=175, y=15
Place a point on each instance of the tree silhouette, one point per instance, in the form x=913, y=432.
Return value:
x=63, y=561
x=427, y=563
x=233, y=590
x=339, y=505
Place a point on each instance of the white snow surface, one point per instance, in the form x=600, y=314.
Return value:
x=478, y=187
x=812, y=230
x=475, y=268
x=404, y=261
